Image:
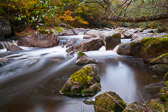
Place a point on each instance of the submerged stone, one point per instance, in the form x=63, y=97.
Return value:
x=83, y=82
x=109, y=102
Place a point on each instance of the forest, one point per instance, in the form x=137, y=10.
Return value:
x=83, y=55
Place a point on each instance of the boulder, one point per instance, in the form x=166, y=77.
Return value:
x=159, y=68
x=154, y=88
x=84, y=82
x=82, y=58
x=89, y=45
x=24, y=41
x=141, y=35
x=71, y=42
x=40, y=39
x=149, y=30
x=13, y=48
x=67, y=32
x=129, y=33
x=164, y=92
x=146, y=48
x=135, y=107
x=93, y=33
x=109, y=102
x=112, y=41
x=160, y=64
x=5, y=28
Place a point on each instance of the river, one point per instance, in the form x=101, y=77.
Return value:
x=33, y=79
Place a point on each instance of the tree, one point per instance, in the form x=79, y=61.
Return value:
x=127, y=10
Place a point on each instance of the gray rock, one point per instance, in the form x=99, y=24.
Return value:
x=82, y=58
x=112, y=41
x=159, y=68
x=13, y=48
x=89, y=45
x=71, y=42
x=93, y=33
x=40, y=40
x=154, y=88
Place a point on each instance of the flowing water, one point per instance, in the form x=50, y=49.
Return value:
x=32, y=80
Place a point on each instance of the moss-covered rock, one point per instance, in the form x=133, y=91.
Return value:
x=158, y=106
x=165, y=77
x=162, y=59
x=164, y=92
x=146, y=48
x=109, y=102
x=134, y=107
x=159, y=68
x=82, y=82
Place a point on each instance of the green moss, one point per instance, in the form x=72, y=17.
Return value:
x=166, y=83
x=43, y=31
x=164, y=92
x=157, y=106
x=82, y=76
x=156, y=43
x=59, y=29
x=51, y=32
x=81, y=54
x=117, y=35
x=109, y=102
x=66, y=89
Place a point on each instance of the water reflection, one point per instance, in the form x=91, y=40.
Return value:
x=120, y=79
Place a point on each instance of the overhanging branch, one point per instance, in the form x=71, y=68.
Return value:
x=138, y=19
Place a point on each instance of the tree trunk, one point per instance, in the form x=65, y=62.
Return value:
x=138, y=19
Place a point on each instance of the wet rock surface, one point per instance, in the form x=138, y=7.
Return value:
x=109, y=101
x=146, y=48
x=88, y=45
x=13, y=48
x=84, y=82
x=40, y=40
x=82, y=58
x=134, y=107
x=112, y=41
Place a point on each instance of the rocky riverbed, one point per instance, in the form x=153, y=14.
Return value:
x=36, y=68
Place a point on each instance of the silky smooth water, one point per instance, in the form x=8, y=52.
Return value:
x=32, y=80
